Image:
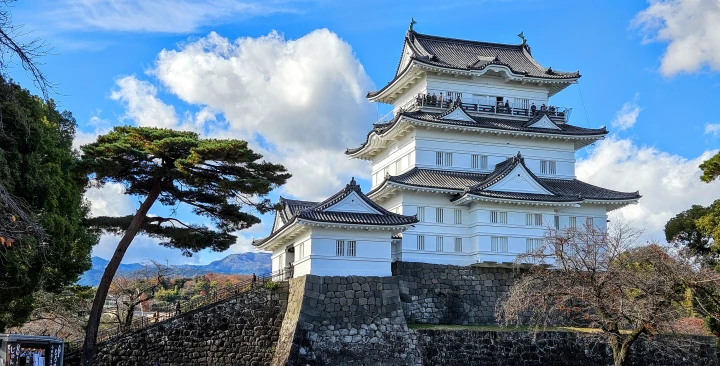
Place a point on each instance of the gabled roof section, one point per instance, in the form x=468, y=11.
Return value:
x=466, y=55
x=583, y=136
x=456, y=114
x=542, y=121
x=512, y=176
x=346, y=207
x=461, y=183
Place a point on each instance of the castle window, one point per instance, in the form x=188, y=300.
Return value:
x=533, y=219
x=499, y=243
x=443, y=159
x=421, y=214
x=340, y=248
x=479, y=162
x=498, y=217
x=557, y=222
x=547, y=167
x=299, y=249
x=589, y=223
x=573, y=222
x=439, y=243
x=351, y=248
x=439, y=215
x=533, y=244
x=458, y=244
x=458, y=217
x=421, y=242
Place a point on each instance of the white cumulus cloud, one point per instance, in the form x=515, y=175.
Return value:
x=109, y=200
x=689, y=27
x=669, y=183
x=300, y=102
x=162, y=16
x=627, y=116
x=712, y=129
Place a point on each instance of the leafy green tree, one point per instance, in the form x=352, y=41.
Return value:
x=711, y=169
x=219, y=179
x=683, y=229
x=39, y=169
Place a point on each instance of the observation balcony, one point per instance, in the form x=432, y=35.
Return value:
x=432, y=103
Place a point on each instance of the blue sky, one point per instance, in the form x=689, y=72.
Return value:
x=290, y=76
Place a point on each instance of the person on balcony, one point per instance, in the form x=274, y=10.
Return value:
x=552, y=109
x=419, y=99
x=440, y=100
x=533, y=109
x=543, y=108
x=433, y=99
x=507, y=107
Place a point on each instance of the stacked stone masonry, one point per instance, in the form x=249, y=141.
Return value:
x=465, y=347
x=443, y=294
x=241, y=331
x=316, y=321
x=346, y=321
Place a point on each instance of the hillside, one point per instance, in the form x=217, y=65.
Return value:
x=245, y=263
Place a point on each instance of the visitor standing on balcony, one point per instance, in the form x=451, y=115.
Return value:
x=543, y=108
x=507, y=106
x=533, y=109
x=440, y=99
x=433, y=99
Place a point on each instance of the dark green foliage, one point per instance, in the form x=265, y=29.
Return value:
x=38, y=167
x=219, y=179
x=711, y=169
x=683, y=229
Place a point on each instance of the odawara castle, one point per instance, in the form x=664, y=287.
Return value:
x=473, y=166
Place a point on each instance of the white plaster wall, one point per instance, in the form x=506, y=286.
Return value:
x=497, y=148
x=373, y=252
x=402, y=150
x=477, y=229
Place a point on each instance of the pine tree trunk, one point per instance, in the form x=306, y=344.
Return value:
x=88, y=350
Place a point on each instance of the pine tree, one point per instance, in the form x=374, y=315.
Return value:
x=222, y=180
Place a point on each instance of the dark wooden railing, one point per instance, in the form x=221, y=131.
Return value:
x=177, y=309
x=555, y=113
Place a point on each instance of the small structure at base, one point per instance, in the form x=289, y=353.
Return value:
x=30, y=350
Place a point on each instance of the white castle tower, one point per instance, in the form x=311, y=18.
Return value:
x=475, y=151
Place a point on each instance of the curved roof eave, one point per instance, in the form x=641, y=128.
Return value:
x=357, y=152
x=415, y=61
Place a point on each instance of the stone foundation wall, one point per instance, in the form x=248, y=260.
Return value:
x=466, y=347
x=345, y=321
x=444, y=294
x=241, y=331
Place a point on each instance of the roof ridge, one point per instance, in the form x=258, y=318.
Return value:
x=460, y=40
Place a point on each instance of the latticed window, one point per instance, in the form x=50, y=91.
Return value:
x=533, y=244
x=573, y=222
x=547, y=167
x=458, y=216
x=421, y=214
x=533, y=219
x=458, y=244
x=499, y=243
x=439, y=215
x=351, y=248
x=443, y=158
x=498, y=217
x=340, y=248
x=479, y=161
x=439, y=243
x=557, y=222
x=421, y=242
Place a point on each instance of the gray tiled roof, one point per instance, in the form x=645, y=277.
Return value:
x=460, y=182
x=315, y=211
x=472, y=55
x=482, y=122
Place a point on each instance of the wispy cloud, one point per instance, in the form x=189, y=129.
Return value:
x=712, y=129
x=690, y=27
x=627, y=115
x=157, y=16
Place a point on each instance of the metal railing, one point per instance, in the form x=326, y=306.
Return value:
x=180, y=308
x=557, y=114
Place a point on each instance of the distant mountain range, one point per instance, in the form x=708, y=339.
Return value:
x=245, y=263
